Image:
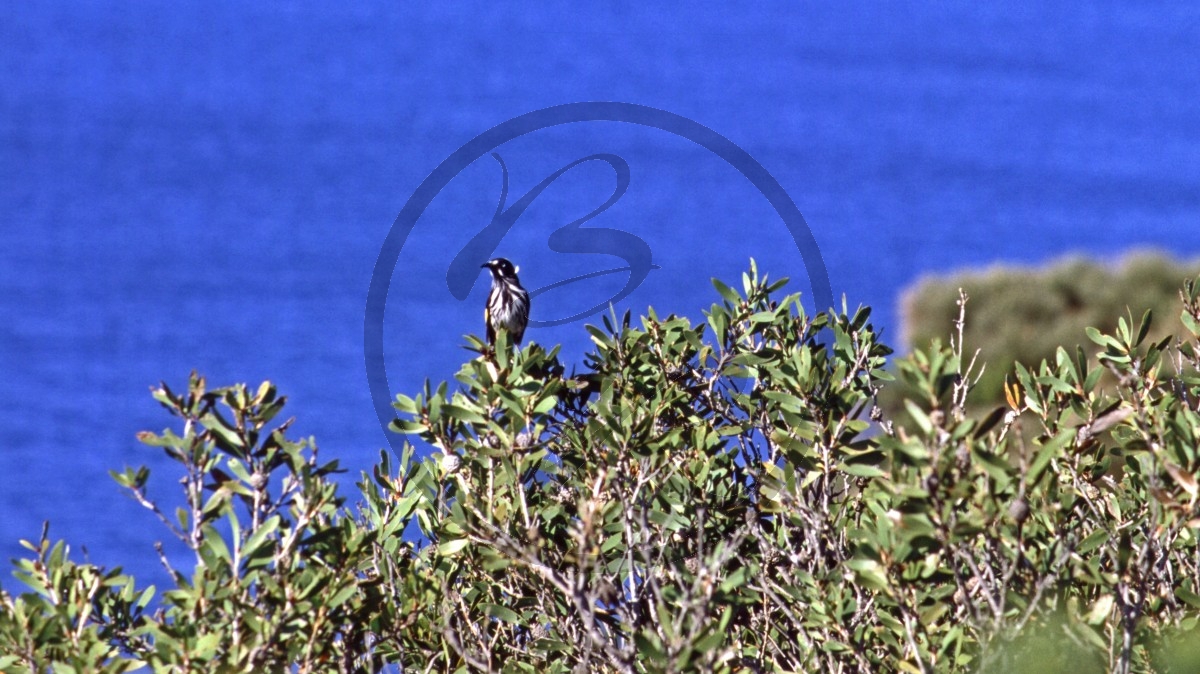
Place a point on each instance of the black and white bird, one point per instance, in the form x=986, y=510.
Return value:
x=507, y=303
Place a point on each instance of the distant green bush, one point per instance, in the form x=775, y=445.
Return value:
x=1023, y=315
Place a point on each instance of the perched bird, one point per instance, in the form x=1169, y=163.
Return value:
x=507, y=303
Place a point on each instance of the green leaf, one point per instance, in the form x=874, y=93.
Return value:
x=225, y=433
x=762, y=317
x=1144, y=327
x=1048, y=451
x=341, y=596
x=502, y=613
x=728, y=294
x=1100, y=609
x=869, y=573
x=405, y=405
x=260, y=537
x=452, y=547
x=1188, y=597
x=918, y=415
x=1190, y=323
x=862, y=470
x=464, y=414
x=1101, y=338
x=1092, y=541
x=650, y=647
x=545, y=405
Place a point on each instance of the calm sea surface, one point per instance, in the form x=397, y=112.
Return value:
x=207, y=186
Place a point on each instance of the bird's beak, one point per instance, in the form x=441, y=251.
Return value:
x=485, y=265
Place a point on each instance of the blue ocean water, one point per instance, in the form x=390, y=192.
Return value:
x=208, y=186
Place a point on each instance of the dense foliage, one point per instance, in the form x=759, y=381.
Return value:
x=722, y=496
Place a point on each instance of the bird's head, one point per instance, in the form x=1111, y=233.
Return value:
x=501, y=268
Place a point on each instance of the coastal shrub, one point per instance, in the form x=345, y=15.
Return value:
x=721, y=495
